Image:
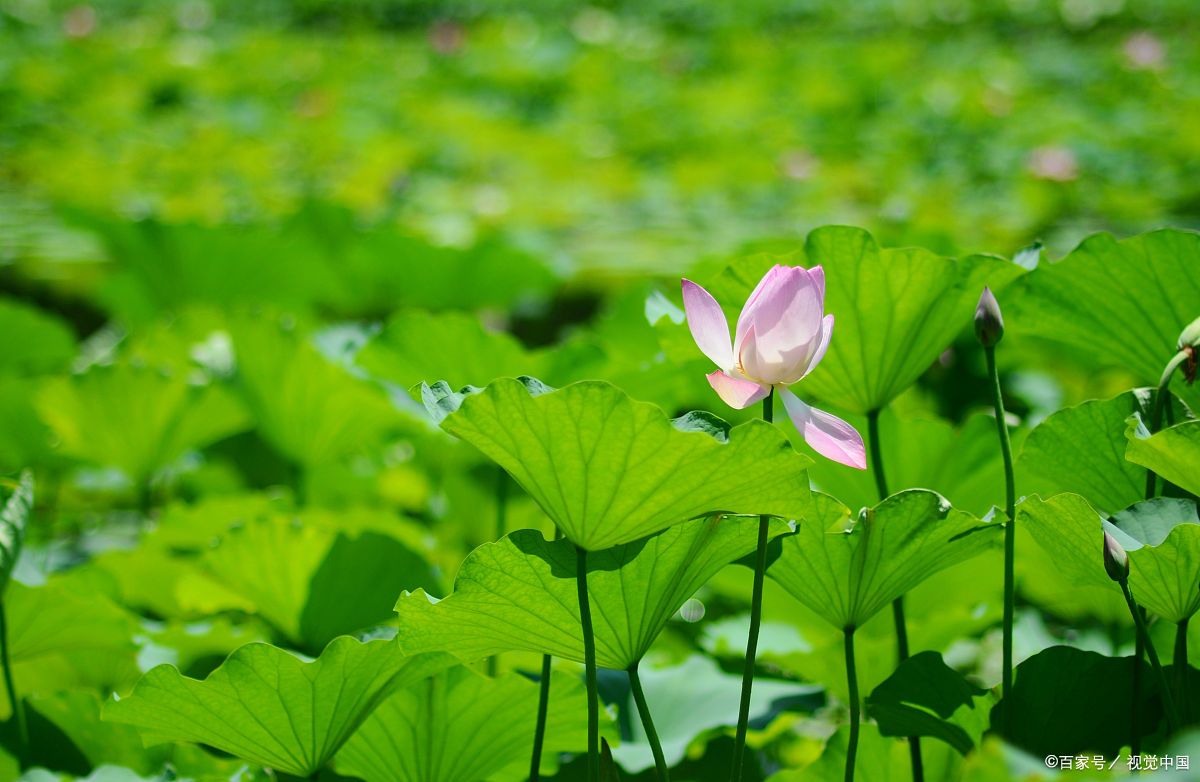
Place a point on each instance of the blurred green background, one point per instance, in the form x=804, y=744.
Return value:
x=602, y=137
x=235, y=234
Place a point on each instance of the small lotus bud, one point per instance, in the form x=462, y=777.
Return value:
x=1189, y=352
x=1190, y=336
x=1116, y=561
x=989, y=323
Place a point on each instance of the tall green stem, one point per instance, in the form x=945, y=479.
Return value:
x=589, y=664
x=881, y=488
x=1135, y=724
x=493, y=662
x=1140, y=621
x=14, y=702
x=539, y=730
x=639, y=698
x=1010, y=527
x=901, y=629
x=1162, y=395
x=852, y=684
x=1180, y=662
x=760, y=569
x=901, y=625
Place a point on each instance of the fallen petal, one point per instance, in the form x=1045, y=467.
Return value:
x=827, y=434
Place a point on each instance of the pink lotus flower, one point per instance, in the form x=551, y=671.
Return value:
x=782, y=334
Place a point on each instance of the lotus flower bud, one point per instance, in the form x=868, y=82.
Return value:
x=1189, y=347
x=989, y=323
x=1190, y=338
x=1116, y=561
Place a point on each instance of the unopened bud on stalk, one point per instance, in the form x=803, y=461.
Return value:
x=1189, y=347
x=989, y=323
x=1116, y=561
x=1190, y=336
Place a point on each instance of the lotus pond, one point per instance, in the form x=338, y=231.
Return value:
x=415, y=392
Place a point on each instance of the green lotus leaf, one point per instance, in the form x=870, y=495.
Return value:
x=312, y=410
x=383, y=268
x=1162, y=538
x=1047, y=571
x=35, y=341
x=309, y=581
x=163, y=583
x=808, y=646
x=137, y=419
x=311, y=575
x=962, y=463
x=877, y=760
x=60, y=616
x=193, y=341
x=694, y=696
x=926, y=697
x=1115, y=303
x=198, y=646
x=165, y=267
x=1165, y=579
x=1069, y=530
x=267, y=706
x=638, y=340
x=63, y=633
x=459, y=725
x=164, y=575
x=14, y=515
x=520, y=593
x=1068, y=701
x=77, y=714
x=415, y=346
x=1150, y=522
x=25, y=439
x=848, y=569
x=319, y=258
x=895, y=310
x=610, y=470
x=106, y=773
x=1173, y=453
x=1081, y=449
x=192, y=527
